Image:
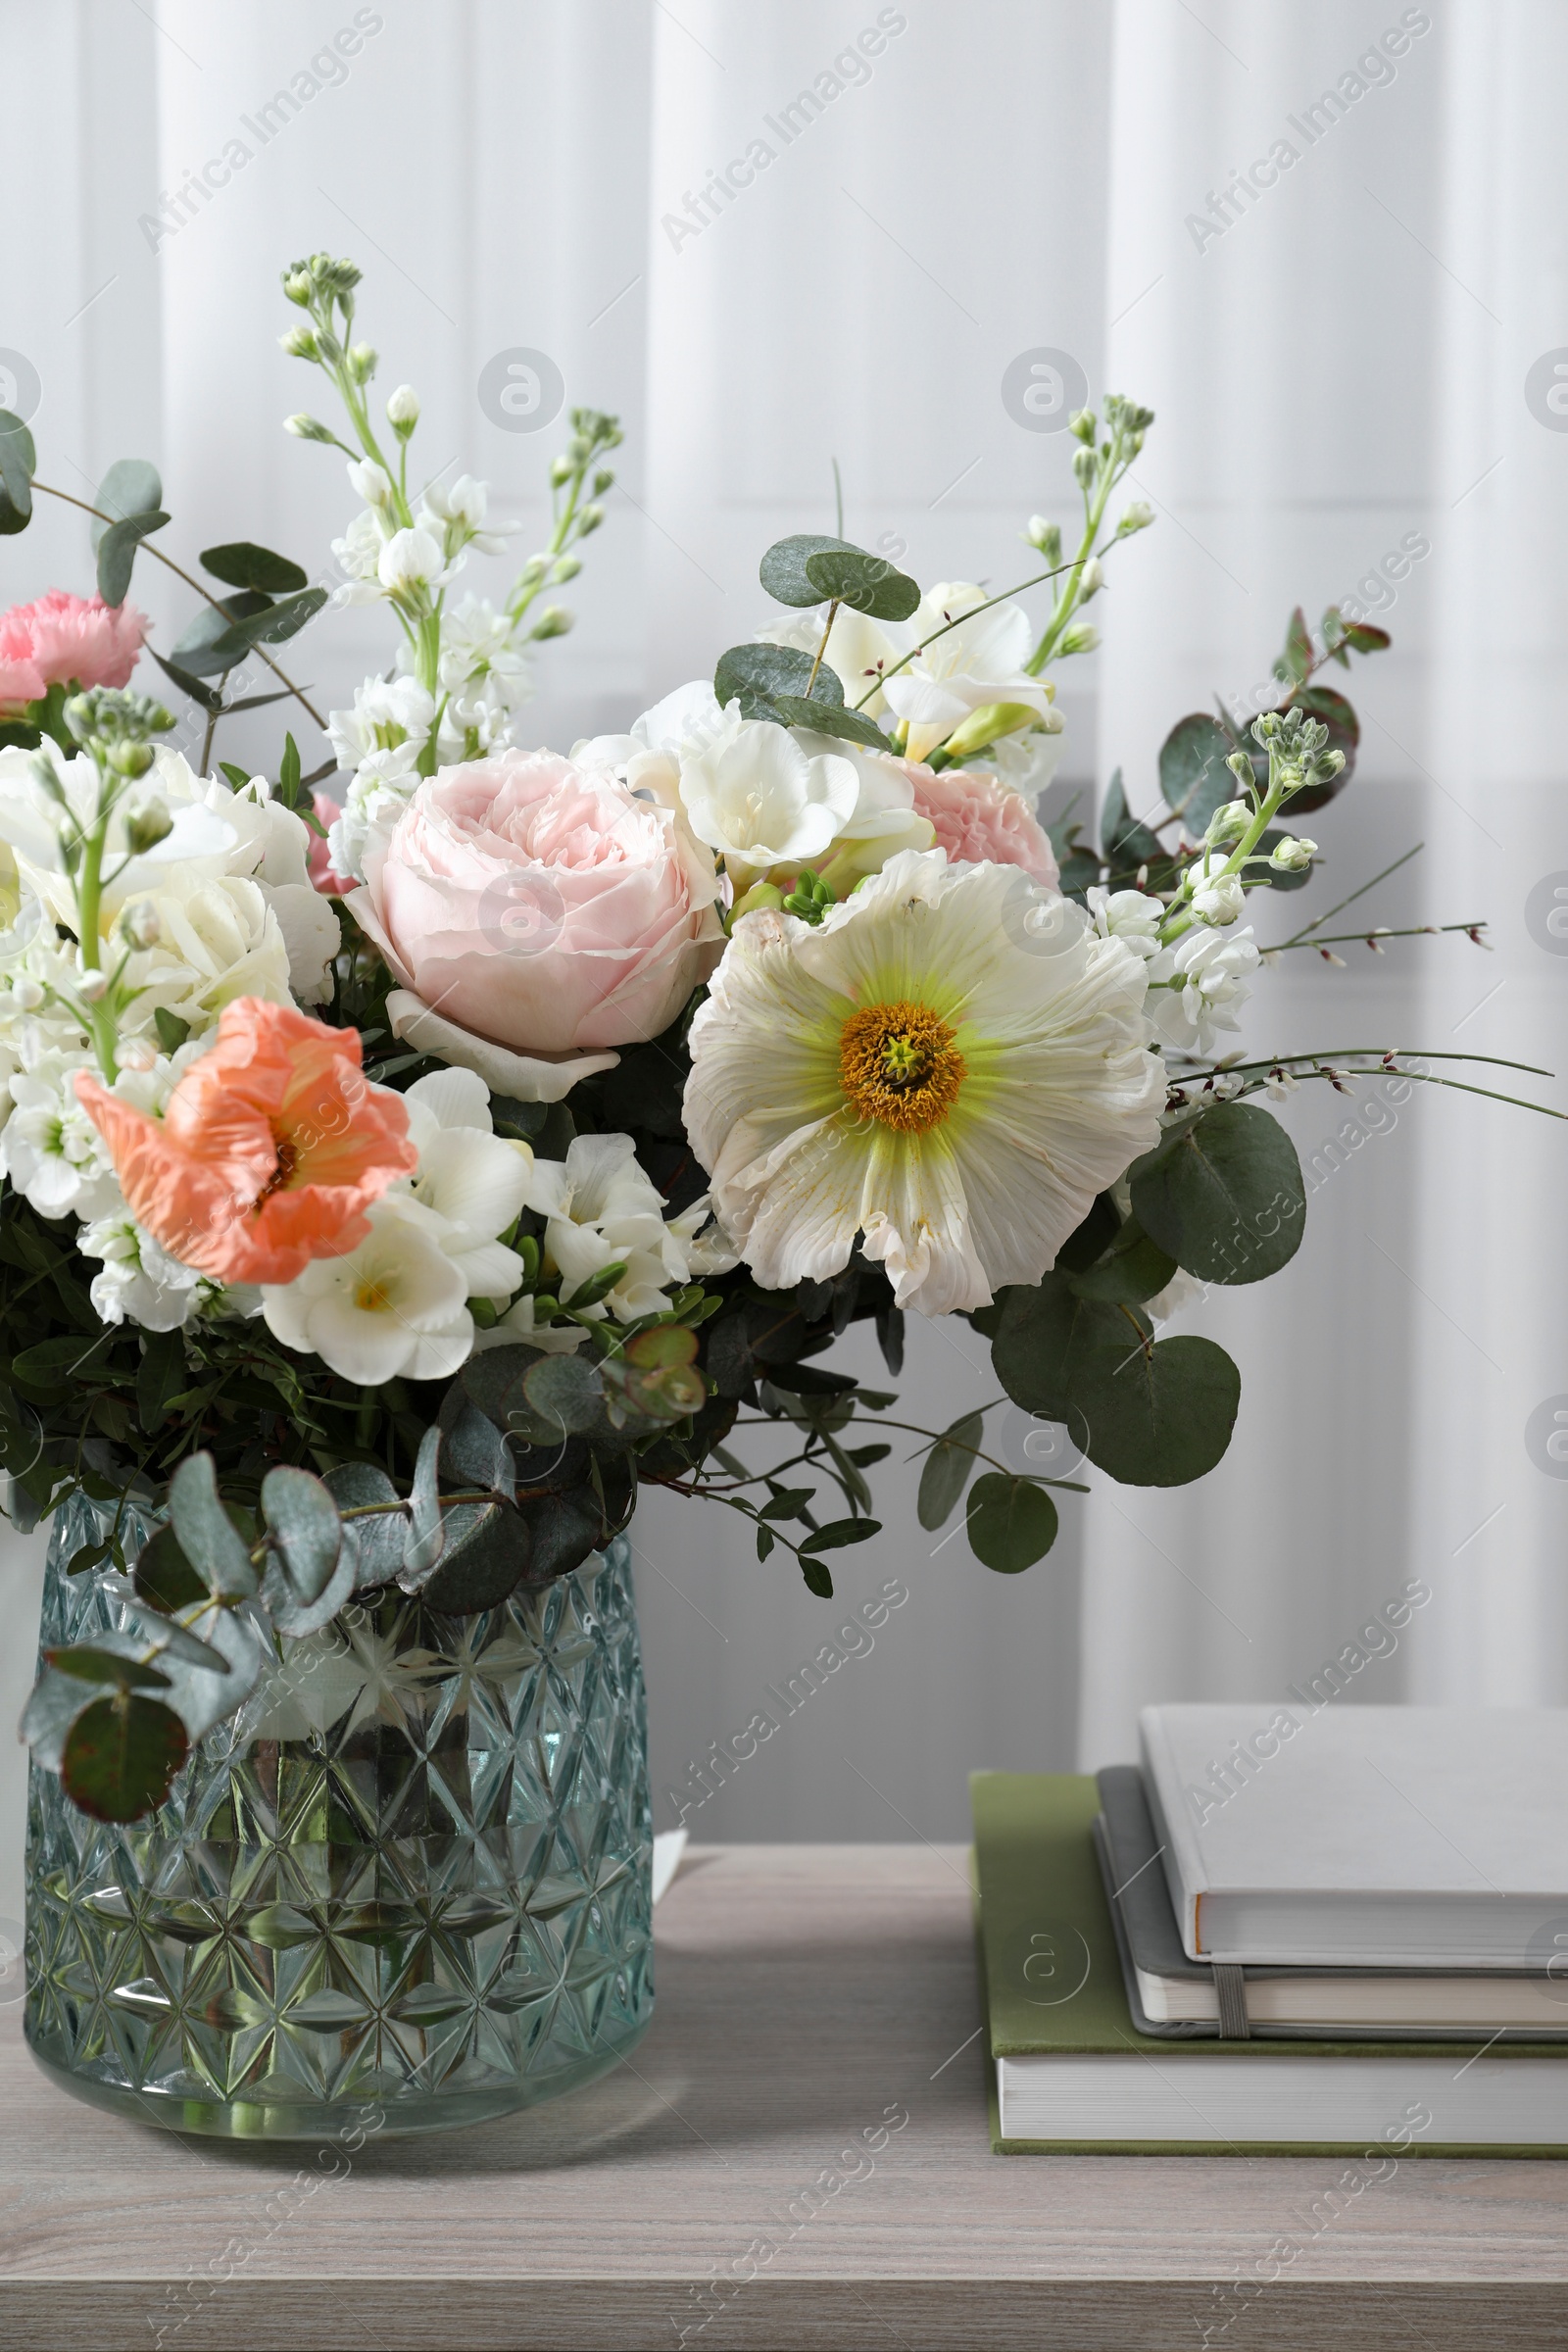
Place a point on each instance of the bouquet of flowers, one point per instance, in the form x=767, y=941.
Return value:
x=395, y=1183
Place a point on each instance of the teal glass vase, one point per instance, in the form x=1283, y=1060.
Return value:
x=407, y=1887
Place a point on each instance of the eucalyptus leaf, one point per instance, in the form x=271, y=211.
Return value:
x=1225, y=1197
x=1046, y=1337
x=1192, y=774
x=838, y=1532
x=1127, y=845
x=18, y=464
x=488, y=1552
x=867, y=584
x=117, y=553
x=565, y=1393
x=1134, y=1268
x=96, y=1662
x=783, y=571
x=131, y=486
x=946, y=1470
x=829, y=718
x=375, y=1543
x=755, y=675
x=121, y=1756
x=207, y=1535
x=1010, y=1523
x=206, y=698
x=241, y=565
x=425, y=1535
x=476, y=1453
x=1163, y=1415
x=202, y=633
x=203, y=1696
x=164, y=1578
x=303, y=1531
x=56, y=1700
x=274, y=626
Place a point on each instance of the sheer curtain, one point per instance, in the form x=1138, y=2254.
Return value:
x=1337, y=365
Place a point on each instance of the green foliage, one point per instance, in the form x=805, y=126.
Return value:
x=946, y=1469
x=18, y=463
x=1012, y=1522
x=131, y=486
x=1192, y=774
x=240, y=564
x=121, y=1756
x=117, y=553
x=1223, y=1194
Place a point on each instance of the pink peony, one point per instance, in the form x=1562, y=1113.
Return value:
x=323, y=877
x=980, y=821
x=542, y=906
x=66, y=640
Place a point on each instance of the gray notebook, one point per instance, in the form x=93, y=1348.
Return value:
x=1171, y=1995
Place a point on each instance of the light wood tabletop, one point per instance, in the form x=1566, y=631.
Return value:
x=796, y=2156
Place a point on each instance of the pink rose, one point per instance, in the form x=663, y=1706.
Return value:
x=981, y=820
x=65, y=640
x=323, y=877
x=542, y=906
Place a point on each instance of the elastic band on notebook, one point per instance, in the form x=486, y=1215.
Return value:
x=1230, y=1992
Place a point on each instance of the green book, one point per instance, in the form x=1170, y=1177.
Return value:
x=1071, y=2073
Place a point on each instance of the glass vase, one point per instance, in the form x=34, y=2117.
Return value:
x=408, y=1881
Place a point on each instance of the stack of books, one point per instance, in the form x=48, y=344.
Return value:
x=1284, y=1932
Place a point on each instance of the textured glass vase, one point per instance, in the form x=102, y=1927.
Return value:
x=409, y=1877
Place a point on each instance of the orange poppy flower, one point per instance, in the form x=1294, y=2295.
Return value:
x=272, y=1148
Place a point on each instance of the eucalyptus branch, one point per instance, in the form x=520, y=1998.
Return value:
x=973, y=613
x=179, y=572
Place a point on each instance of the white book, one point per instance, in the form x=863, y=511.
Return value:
x=1296, y=1836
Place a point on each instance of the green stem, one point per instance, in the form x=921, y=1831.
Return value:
x=832, y=616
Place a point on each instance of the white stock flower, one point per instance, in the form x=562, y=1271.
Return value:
x=386, y=730
x=759, y=798
x=487, y=677
x=469, y=1177
x=1205, y=980
x=139, y=1279
x=411, y=560
x=601, y=1210
x=371, y=481
x=1127, y=914
x=51, y=1151
x=920, y=1071
x=457, y=518
x=395, y=1307
x=358, y=555
x=979, y=662
x=1217, y=898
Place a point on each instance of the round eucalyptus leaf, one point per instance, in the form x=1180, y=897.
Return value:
x=783, y=571
x=121, y=1756
x=1192, y=774
x=131, y=486
x=867, y=584
x=946, y=1469
x=1012, y=1523
x=1162, y=1415
x=754, y=674
x=1224, y=1196
x=241, y=565
x=117, y=553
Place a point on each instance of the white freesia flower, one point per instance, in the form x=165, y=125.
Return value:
x=139, y=1279
x=761, y=800
x=981, y=660
x=884, y=819
x=920, y=1071
x=601, y=1210
x=471, y=1179
x=1127, y=914
x=395, y=1307
x=1205, y=980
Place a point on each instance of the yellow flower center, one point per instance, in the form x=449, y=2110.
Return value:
x=372, y=1297
x=899, y=1063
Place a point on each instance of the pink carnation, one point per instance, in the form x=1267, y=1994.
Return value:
x=323, y=875
x=66, y=640
x=980, y=821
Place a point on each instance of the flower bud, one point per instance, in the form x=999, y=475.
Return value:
x=1090, y=579
x=589, y=520
x=1240, y=765
x=371, y=481
x=761, y=896
x=1046, y=536
x=26, y=994
x=562, y=470
x=92, y=987
x=566, y=567
x=553, y=621
x=1136, y=517
x=1082, y=422
x=306, y=429
x=1083, y=467
x=137, y=1054
x=361, y=362
x=1080, y=637
x=535, y=568
x=403, y=408
x=985, y=726
x=297, y=283
x=147, y=823
x=1230, y=822
x=299, y=343
x=602, y=480
x=1220, y=902
x=1294, y=855
x=139, y=924
x=130, y=758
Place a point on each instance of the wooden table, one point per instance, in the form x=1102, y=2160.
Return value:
x=805, y=2126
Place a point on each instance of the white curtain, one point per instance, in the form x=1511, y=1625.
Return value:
x=1339, y=369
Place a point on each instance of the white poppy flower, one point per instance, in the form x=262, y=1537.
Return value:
x=395, y=1307
x=925, y=1071
x=759, y=799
